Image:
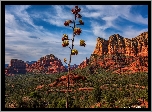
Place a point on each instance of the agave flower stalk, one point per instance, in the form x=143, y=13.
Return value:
x=76, y=31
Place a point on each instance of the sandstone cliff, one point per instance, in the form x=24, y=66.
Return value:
x=120, y=52
x=131, y=47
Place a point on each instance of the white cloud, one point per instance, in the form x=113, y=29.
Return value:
x=25, y=47
x=110, y=15
x=114, y=10
x=95, y=7
x=99, y=30
x=59, y=17
x=92, y=14
x=136, y=18
x=130, y=32
x=17, y=32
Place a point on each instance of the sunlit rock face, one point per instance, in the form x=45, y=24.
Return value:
x=129, y=50
x=130, y=47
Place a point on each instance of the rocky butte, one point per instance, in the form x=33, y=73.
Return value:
x=47, y=64
x=16, y=67
x=130, y=55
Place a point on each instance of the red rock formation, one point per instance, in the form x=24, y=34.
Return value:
x=48, y=64
x=84, y=63
x=120, y=52
x=131, y=47
x=62, y=81
x=16, y=66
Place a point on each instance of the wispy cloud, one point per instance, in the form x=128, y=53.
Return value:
x=112, y=14
x=123, y=11
x=31, y=34
x=60, y=15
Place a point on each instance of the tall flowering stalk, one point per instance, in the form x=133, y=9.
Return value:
x=65, y=40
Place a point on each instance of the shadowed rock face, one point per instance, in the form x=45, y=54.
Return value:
x=121, y=52
x=16, y=67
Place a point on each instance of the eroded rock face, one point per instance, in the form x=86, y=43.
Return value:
x=116, y=43
x=48, y=64
x=121, y=52
x=101, y=46
x=131, y=47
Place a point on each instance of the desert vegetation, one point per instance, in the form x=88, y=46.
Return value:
x=109, y=90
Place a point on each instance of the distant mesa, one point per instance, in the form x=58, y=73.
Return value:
x=15, y=67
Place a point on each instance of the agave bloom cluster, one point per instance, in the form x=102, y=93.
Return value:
x=82, y=43
x=67, y=22
x=65, y=40
x=81, y=22
x=77, y=31
x=65, y=37
x=76, y=10
x=74, y=52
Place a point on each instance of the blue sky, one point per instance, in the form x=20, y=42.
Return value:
x=33, y=31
